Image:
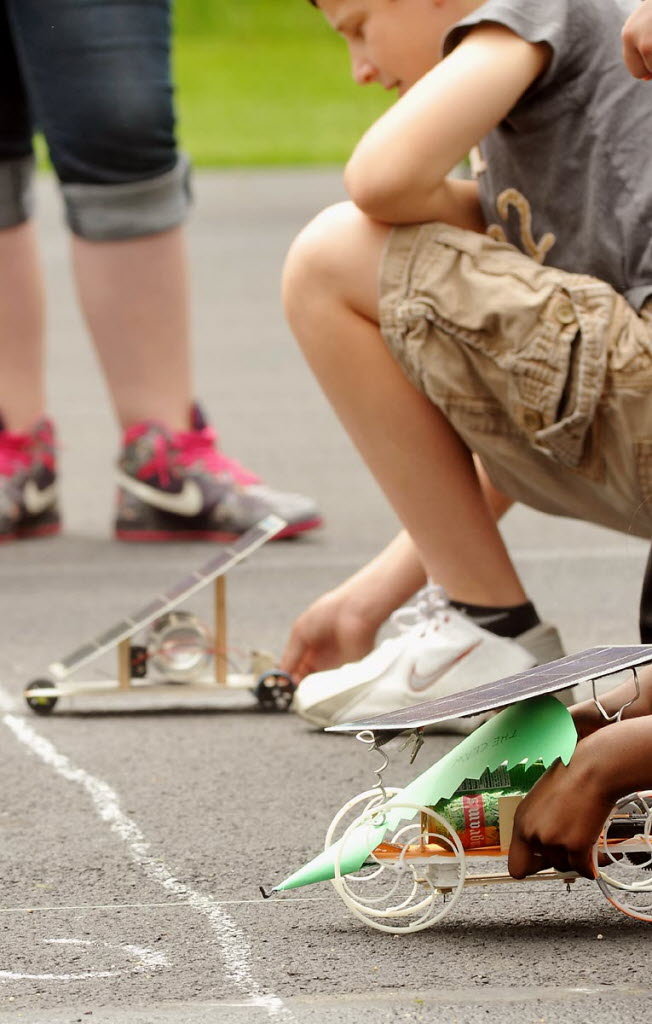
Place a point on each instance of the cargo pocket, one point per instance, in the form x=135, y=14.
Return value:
x=559, y=374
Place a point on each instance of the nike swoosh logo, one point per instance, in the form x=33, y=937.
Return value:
x=36, y=500
x=189, y=501
x=486, y=620
x=418, y=683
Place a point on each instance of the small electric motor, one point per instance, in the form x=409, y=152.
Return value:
x=179, y=647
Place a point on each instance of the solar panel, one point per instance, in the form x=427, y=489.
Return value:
x=594, y=663
x=216, y=566
x=209, y=568
x=78, y=656
x=186, y=585
x=115, y=634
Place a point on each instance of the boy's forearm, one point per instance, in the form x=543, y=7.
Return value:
x=398, y=169
x=588, y=718
x=388, y=580
x=455, y=201
x=622, y=757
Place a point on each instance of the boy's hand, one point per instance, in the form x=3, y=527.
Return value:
x=559, y=821
x=328, y=634
x=637, y=42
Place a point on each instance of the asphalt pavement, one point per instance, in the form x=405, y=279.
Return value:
x=136, y=830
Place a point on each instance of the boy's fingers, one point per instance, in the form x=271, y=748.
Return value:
x=634, y=62
x=292, y=654
x=523, y=860
x=305, y=667
x=582, y=862
x=301, y=663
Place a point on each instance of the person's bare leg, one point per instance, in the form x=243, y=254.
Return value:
x=22, y=382
x=427, y=473
x=134, y=295
x=498, y=502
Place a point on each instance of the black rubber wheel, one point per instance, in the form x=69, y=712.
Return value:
x=41, y=705
x=275, y=690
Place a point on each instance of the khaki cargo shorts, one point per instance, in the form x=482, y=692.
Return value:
x=546, y=375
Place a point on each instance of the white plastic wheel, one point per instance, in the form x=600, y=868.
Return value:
x=625, y=850
x=356, y=808
x=408, y=885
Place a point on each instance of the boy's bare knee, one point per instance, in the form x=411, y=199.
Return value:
x=326, y=256
x=312, y=258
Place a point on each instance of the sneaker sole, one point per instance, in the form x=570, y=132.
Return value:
x=32, y=533
x=319, y=721
x=292, y=529
x=221, y=536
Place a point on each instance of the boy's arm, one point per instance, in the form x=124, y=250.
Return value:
x=397, y=173
x=341, y=625
x=460, y=204
x=587, y=717
x=560, y=819
x=637, y=42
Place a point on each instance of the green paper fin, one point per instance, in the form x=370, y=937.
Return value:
x=533, y=730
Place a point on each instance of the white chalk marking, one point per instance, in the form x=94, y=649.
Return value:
x=148, y=960
x=235, y=950
x=263, y=904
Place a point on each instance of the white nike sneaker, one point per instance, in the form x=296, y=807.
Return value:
x=438, y=652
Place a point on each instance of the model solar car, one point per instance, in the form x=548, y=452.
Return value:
x=174, y=646
x=400, y=859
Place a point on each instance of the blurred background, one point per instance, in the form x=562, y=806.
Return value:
x=265, y=82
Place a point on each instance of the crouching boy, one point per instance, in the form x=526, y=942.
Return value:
x=481, y=341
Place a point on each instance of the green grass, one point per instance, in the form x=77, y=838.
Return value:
x=265, y=82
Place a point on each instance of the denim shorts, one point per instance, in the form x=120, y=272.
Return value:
x=94, y=77
x=545, y=374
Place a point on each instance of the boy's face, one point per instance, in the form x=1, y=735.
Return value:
x=393, y=42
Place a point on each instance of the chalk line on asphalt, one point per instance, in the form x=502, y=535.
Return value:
x=146, y=960
x=261, y=904
x=234, y=947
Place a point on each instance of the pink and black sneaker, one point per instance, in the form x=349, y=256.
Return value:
x=180, y=486
x=28, y=482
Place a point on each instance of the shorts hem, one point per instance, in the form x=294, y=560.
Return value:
x=101, y=213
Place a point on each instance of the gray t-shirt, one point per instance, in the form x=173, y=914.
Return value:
x=575, y=153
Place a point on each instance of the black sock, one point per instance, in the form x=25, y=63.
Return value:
x=511, y=621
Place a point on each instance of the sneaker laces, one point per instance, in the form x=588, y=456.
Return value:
x=200, y=446
x=14, y=452
x=159, y=464
x=428, y=606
